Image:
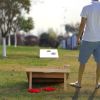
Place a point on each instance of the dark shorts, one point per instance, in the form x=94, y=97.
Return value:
x=87, y=49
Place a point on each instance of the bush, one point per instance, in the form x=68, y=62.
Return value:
x=31, y=40
x=47, y=41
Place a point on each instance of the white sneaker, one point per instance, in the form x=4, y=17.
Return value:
x=97, y=86
x=75, y=84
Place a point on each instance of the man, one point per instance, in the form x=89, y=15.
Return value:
x=89, y=30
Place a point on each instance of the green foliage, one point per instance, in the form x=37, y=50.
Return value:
x=69, y=28
x=72, y=28
x=44, y=39
x=48, y=40
x=25, y=24
x=9, y=11
x=52, y=33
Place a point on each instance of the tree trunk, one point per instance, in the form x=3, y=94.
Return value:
x=4, y=47
x=9, y=40
x=15, y=36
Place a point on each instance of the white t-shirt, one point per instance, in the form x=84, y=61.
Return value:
x=92, y=29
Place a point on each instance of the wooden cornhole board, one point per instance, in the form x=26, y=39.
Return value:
x=48, y=75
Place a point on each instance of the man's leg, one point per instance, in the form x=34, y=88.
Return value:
x=96, y=55
x=86, y=49
x=97, y=73
x=80, y=73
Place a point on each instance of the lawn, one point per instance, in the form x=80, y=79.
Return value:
x=13, y=80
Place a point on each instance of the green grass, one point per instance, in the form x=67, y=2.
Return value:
x=13, y=80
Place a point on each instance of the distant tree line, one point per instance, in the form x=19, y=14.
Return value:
x=45, y=39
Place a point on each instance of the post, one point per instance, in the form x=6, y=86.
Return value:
x=65, y=81
x=66, y=75
x=30, y=80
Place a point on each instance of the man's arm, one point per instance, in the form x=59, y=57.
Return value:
x=81, y=28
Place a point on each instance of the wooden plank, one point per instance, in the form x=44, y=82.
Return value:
x=48, y=70
x=46, y=75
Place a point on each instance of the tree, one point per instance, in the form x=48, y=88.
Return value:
x=49, y=39
x=53, y=42
x=69, y=28
x=52, y=33
x=44, y=39
x=22, y=24
x=9, y=11
x=25, y=24
x=72, y=28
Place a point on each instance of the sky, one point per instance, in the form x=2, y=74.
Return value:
x=55, y=13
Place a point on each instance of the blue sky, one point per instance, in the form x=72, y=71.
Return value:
x=56, y=13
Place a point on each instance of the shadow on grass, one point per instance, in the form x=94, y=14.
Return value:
x=91, y=97
x=20, y=56
x=17, y=87
x=76, y=94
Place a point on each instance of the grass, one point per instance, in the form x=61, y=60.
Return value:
x=13, y=80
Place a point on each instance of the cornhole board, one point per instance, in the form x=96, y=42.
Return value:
x=51, y=74
x=49, y=53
